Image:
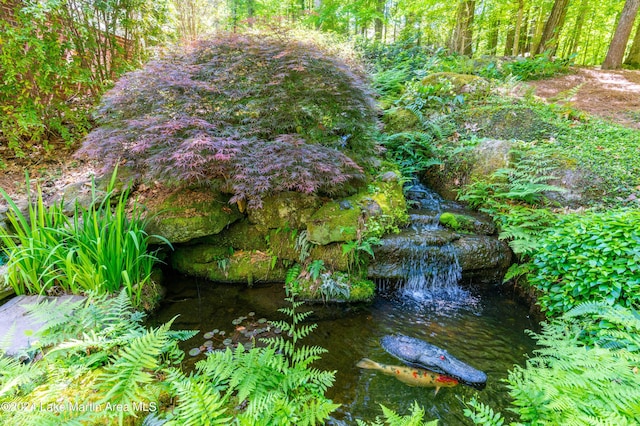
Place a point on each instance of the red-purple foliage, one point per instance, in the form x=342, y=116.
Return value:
x=254, y=115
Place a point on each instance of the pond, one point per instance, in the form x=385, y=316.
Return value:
x=480, y=327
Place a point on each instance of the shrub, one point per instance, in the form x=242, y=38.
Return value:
x=254, y=114
x=537, y=67
x=592, y=257
x=56, y=59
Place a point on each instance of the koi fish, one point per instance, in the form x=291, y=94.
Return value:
x=409, y=375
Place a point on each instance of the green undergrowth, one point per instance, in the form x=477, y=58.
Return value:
x=102, y=247
x=96, y=363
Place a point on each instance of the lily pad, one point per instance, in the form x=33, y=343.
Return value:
x=194, y=352
x=208, y=344
x=208, y=335
x=227, y=342
x=262, y=320
x=251, y=314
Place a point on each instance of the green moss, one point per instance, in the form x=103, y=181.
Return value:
x=335, y=287
x=362, y=290
x=397, y=120
x=378, y=209
x=188, y=214
x=457, y=222
x=217, y=264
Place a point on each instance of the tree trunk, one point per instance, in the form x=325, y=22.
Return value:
x=378, y=23
x=621, y=37
x=553, y=26
x=633, y=59
x=508, y=46
x=577, y=28
x=492, y=38
x=516, y=35
x=462, y=37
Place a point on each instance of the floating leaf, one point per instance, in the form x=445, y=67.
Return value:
x=208, y=335
x=208, y=344
x=227, y=342
x=262, y=320
x=194, y=352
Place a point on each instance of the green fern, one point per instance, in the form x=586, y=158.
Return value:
x=482, y=414
x=574, y=380
x=391, y=418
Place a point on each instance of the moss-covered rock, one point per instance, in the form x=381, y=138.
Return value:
x=187, y=214
x=288, y=209
x=473, y=163
x=466, y=223
x=469, y=85
x=240, y=235
x=507, y=122
x=399, y=119
x=335, y=287
x=217, y=264
x=376, y=210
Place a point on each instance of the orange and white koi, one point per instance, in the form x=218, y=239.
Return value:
x=409, y=375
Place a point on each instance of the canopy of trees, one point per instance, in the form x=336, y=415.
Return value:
x=582, y=28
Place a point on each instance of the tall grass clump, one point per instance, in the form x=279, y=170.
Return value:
x=101, y=248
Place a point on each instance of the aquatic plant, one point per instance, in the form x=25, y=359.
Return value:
x=100, y=248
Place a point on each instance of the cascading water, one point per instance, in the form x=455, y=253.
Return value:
x=429, y=271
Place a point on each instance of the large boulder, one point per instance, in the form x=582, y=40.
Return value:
x=218, y=264
x=189, y=213
x=341, y=220
x=287, y=209
x=477, y=163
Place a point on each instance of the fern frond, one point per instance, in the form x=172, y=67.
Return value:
x=198, y=403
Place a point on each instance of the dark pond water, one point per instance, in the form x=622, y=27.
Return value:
x=484, y=329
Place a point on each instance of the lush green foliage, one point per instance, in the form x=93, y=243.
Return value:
x=254, y=114
x=101, y=248
x=585, y=373
x=56, y=58
x=96, y=354
x=592, y=257
x=391, y=418
x=538, y=67
x=568, y=382
x=276, y=384
x=511, y=196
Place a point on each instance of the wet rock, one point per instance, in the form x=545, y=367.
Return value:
x=467, y=222
x=480, y=252
x=187, y=214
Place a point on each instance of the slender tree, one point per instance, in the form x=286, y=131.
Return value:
x=618, y=44
x=462, y=38
x=633, y=59
x=553, y=26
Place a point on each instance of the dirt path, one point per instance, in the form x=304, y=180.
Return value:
x=614, y=95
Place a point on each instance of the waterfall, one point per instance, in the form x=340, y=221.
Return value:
x=430, y=268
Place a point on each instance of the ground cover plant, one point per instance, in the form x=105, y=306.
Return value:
x=99, y=248
x=254, y=115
